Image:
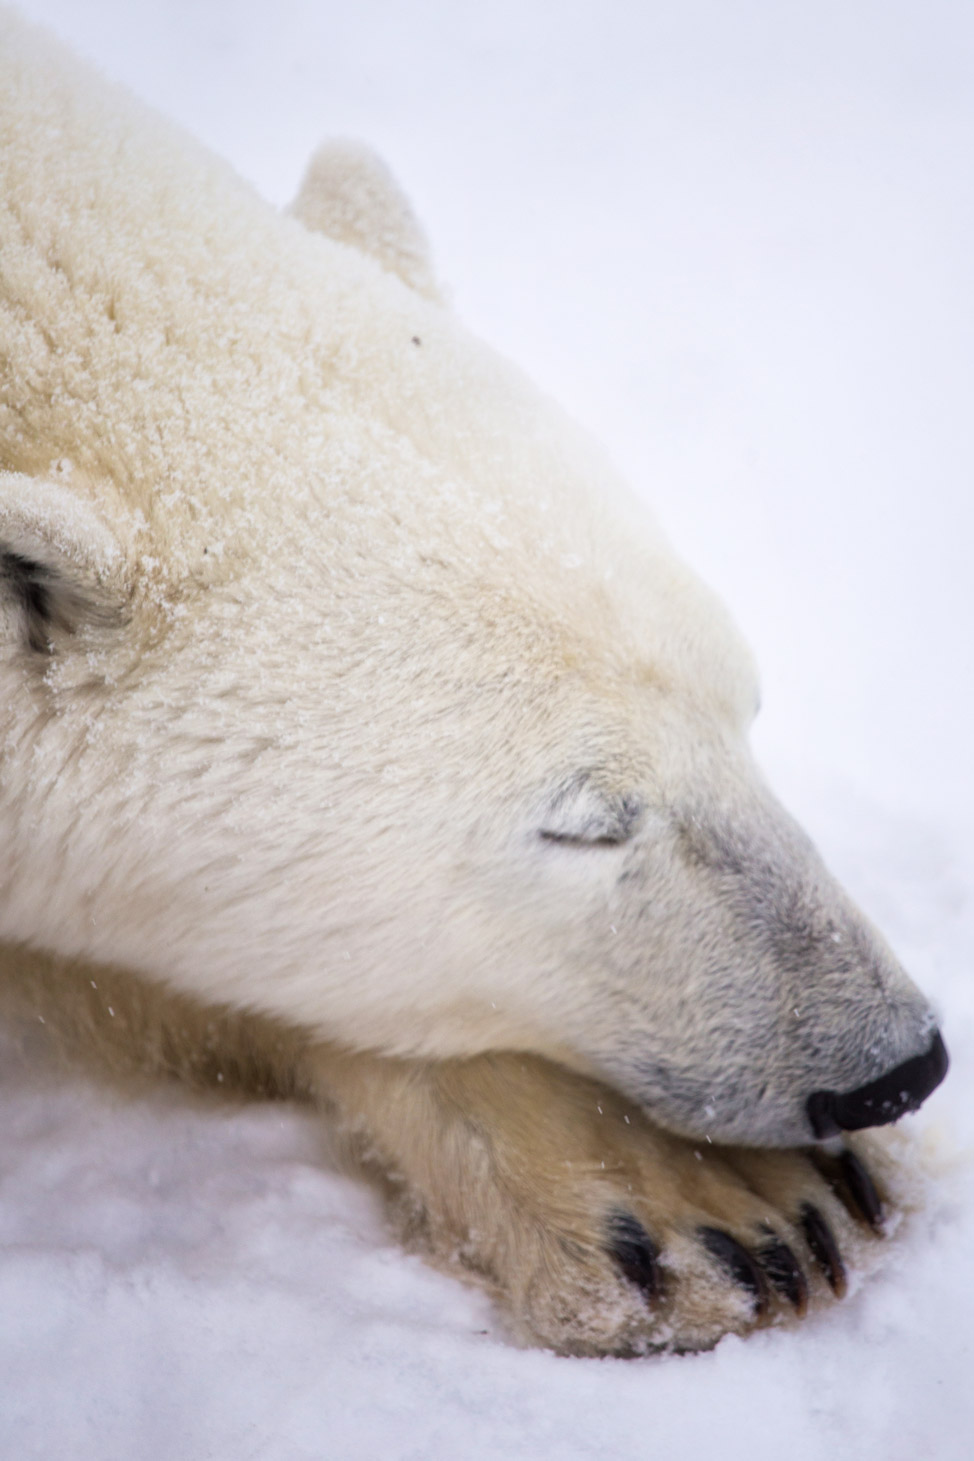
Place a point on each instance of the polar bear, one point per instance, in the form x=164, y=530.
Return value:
x=357, y=725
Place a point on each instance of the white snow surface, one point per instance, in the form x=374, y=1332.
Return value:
x=736, y=240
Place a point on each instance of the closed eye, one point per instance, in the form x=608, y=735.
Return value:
x=581, y=813
x=568, y=839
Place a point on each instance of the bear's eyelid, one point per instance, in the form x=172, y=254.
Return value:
x=583, y=814
x=569, y=839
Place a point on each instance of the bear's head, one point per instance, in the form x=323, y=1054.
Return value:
x=342, y=681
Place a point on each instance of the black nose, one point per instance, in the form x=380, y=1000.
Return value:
x=902, y=1089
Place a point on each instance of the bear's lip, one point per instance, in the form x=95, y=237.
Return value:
x=885, y=1099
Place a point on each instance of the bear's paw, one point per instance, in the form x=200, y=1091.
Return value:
x=597, y=1232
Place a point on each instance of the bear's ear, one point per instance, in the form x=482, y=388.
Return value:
x=350, y=195
x=60, y=566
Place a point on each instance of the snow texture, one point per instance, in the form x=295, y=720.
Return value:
x=735, y=240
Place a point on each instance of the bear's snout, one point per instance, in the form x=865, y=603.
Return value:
x=902, y=1089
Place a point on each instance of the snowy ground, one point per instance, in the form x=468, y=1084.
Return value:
x=736, y=240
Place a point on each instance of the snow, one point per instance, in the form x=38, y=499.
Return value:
x=736, y=241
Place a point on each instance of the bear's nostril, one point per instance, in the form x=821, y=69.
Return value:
x=902, y=1089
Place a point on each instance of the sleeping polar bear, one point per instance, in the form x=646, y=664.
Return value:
x=356, y=726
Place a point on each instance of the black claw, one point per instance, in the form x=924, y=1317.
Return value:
x=853, y=1186
x=781, y=1267
x=824, y=1249
x=862, y=1190
x=635, y=1253
x=735, y=1258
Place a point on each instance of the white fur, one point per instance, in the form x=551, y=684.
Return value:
x=409, y=729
